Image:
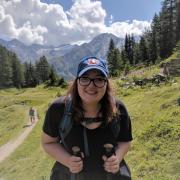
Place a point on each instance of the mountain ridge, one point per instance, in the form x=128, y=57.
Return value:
x=64, y=58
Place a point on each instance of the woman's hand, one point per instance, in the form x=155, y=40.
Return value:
x=111, y=164
x=75, y=164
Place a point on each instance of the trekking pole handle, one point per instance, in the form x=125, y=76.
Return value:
x=76, y=152
x=109, y=150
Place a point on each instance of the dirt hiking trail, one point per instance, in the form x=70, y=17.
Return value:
x=9, y=147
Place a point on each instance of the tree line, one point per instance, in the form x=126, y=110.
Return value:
x=154, y=45
x=15, y=74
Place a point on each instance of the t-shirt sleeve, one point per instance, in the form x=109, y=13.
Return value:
x=52, y=118
x=125, y=133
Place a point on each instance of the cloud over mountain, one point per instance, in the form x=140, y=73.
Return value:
x=32, y=21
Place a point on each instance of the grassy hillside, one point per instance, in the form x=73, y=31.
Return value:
x=155, y=151
x=27, y=159
x=155, y=113
x=14, y=107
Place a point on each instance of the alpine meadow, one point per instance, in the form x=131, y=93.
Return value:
x=145, y=75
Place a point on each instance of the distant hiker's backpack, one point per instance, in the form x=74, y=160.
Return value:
x=66, y=124
x=31, y=112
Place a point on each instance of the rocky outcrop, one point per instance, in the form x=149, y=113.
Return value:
x=172, y=67
x=156, y=80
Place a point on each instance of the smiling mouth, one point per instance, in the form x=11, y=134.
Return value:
x=91, y=93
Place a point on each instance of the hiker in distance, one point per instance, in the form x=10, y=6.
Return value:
x=88, y=132
x=32, y=115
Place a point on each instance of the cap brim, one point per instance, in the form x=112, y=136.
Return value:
x=90, y=68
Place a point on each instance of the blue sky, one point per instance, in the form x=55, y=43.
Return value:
x=122, y=10
x=143, y=10
x=55, y=22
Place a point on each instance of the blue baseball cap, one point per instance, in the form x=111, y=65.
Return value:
x=89, y=63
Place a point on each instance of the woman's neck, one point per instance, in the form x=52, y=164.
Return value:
x=91, y=110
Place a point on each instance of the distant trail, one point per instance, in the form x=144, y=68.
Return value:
x=8, y=148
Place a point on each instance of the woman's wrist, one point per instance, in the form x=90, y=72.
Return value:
x=122, y=150
x=65, y=159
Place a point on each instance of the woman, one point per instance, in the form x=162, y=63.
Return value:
x=94, y=110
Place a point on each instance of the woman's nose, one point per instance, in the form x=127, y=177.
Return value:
x=92, y=84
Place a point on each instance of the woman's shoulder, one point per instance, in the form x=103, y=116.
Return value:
x=120, y=103
x=57, y=103
x=121, y=106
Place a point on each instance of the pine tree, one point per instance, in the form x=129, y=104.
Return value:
x=132, y=44
x=5, y=68
x=126, y=46
x=52, y=77
x=137, y=56
x=123, y=57
x=42, y=69
x=110, y=57
x=118, y=64
x=177, y=20
x=18, y=76
x=129, y=46
x=114, y=59
x=152, y=48
x=143, y=50
x=152, y=40
x=167, y=34
x=30, y=75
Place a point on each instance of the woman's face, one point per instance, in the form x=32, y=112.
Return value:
x=91, y=94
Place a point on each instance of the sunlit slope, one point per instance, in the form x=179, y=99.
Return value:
x=155, y=113
x=14, y=107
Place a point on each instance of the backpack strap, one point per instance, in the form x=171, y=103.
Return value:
x=66, y=122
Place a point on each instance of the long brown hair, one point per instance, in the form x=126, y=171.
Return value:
x=108, y=103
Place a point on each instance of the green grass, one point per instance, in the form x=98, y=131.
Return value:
x=155, y=149
x=14, y=107
x=155, y=113
x=29, y=161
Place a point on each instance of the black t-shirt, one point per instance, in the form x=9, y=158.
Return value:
x=96, y=137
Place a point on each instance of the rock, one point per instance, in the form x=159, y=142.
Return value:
x=172, y=68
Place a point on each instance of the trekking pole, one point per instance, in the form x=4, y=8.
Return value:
x=109, y=151
x=76, y=152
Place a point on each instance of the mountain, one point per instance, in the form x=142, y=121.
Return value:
x=98, y=47
x=33, y=52
x=64, y=58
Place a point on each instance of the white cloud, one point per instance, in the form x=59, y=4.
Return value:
x=135, y=27
x=7, y=25
x=32, y=21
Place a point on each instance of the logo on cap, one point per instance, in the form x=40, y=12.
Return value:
x=93, y=61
